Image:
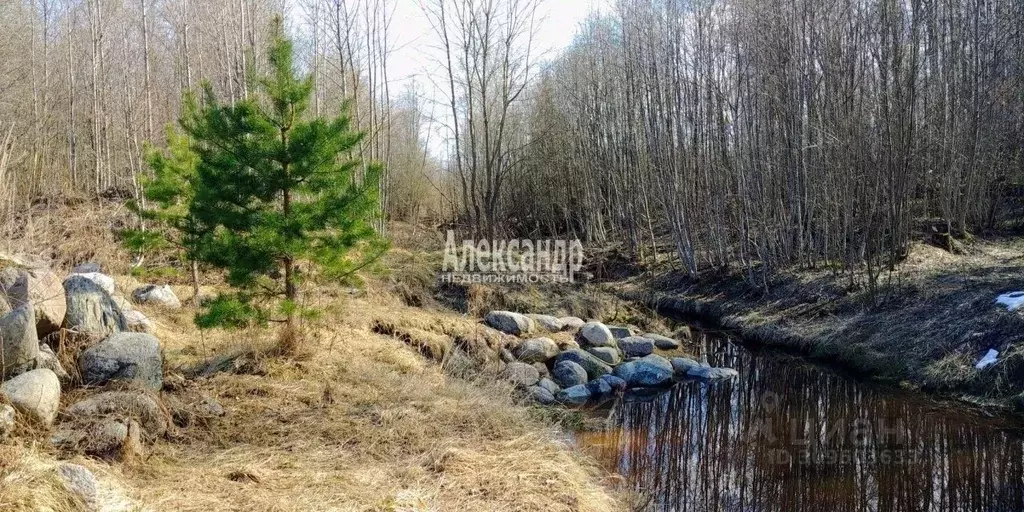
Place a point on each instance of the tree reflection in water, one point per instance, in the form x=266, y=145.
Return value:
x=789, y=436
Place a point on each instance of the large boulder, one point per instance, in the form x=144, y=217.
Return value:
x=521, y=374
x=568, y=374
x=546, y=322
x=40, y=288
x=709, y=373
x=124, y=356
x=576, y=395
x=123, y=404
x=102, y=280
x=19, y=340
x=90, y=309
x=596, y=334
x=683, y=365
x=571, y=323
x=536, y=350
x=663, y=342
x=609, y=355
x=154, y=295
x=509, y=322
x=645, y=372
x=636, y=346
x=36, y=394
x=593, y=366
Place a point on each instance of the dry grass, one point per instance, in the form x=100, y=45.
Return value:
x=355, y=420
x=361, y=423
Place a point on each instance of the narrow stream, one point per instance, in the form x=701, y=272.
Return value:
x=791, y=436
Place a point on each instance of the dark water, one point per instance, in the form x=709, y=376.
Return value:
x=790, y=436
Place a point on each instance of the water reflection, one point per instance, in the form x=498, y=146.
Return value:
x=788, y=436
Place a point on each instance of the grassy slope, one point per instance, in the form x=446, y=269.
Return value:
x=935, y=318
x=360, y=421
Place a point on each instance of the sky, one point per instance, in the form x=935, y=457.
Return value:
x=413, y=40
x=415, y=54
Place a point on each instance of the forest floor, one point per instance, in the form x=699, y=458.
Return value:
x=360, y=420
x=926, y=327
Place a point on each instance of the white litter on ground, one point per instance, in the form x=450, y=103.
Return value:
x=1012, y=300
x=988, y=360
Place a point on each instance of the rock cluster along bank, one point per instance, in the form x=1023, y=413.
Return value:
x=83, y=318
x=600, y=361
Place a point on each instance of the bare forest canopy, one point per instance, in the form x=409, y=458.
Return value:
x=751, y=134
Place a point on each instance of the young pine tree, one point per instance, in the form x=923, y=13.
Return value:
x=276, y=194
x=168, y=193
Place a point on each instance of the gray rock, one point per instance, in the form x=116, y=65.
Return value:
x=522, y=374
x=541, y=395
x=139, y=407
x=509, y=322
x=571, y=323
x=137, y=321
x=90, y=309
x=645, y=372
x=620, y=332
x=19, y=340
x=599, y=387
x=614, y=382
x=40, y=288
x=536, y=350
x=506, y=355
x=596, y=334
x=708, y=373
x=87, y=268
x=36, y=394
x=636, y=346
x=6, y=420
x=550, y=385
x=124, y=356
x=576, y=395
x=568, y=374
x=609, y=355
x=153, y=295
x=81, y=482
x=123, y=304
x=567, y=344
x=108, y=439
x=682, y=365
x=104, y=281
x=542, y=369
x=594, y=366
x=47, y=359
x=663, y=342
x=547, y=322
x=4, y=306
x=209, y=407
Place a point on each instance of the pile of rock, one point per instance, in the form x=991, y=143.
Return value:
x=36, y=304
x=602, y=360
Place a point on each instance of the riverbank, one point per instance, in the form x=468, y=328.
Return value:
x=929, y=324
x=358, y=420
